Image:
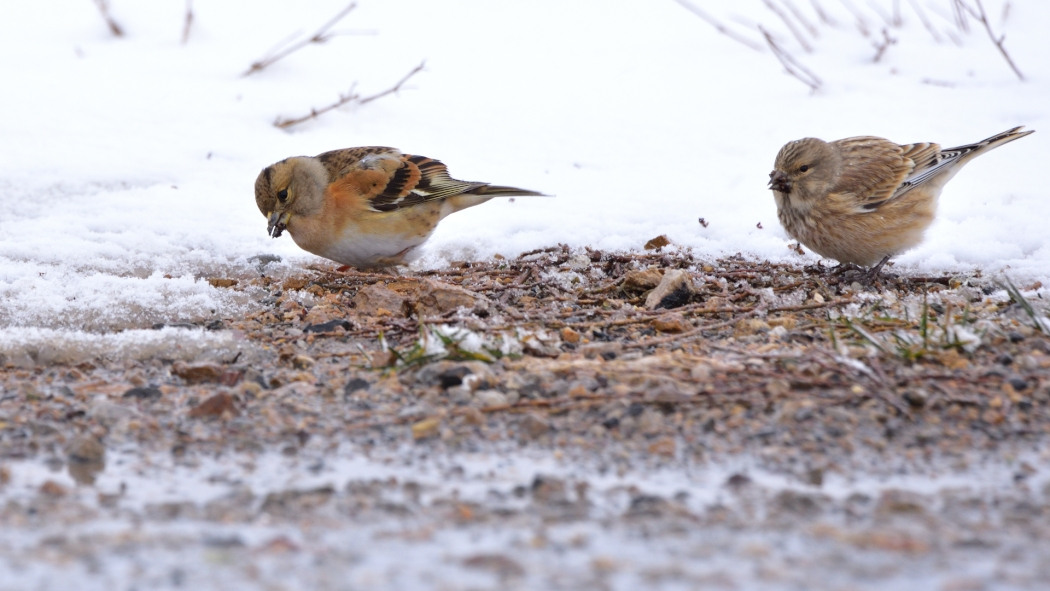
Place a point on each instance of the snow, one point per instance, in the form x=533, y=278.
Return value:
x=128, y=162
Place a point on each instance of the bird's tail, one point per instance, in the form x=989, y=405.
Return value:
x=993, y=142
x=501, y=191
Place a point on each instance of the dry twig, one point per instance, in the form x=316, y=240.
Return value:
x=882, y=46
x=790, y=25
x=322, y=35
x=719, y=26
x=790, y=64
x=345, y=99
x=924, y=20
x=103, y=7
x=822, y=14
x=862, y=23
x=795, y=12
x=982, y=18
x=188, y=22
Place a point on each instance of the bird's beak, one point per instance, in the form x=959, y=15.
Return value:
x=277, y=222
x=778, y=181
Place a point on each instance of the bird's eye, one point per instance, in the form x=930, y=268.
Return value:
x=282, y=195
x=803, y=168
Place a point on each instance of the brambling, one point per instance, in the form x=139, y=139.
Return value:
x=862, y=200
x=365, y=207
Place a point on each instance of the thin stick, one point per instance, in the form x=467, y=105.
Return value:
x=344, y=99
x=822, y=14
x=882, y=46
x=188, y=22
x=862, y=23
x=982, y=18
x=795, y=12
x=320, y=36
x=719, y=26
x=960, y=19
x=791, y=64
x=924, y=20
x=790, y=25
x=103, y=7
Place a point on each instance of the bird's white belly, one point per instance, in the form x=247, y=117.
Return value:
x=374, y=251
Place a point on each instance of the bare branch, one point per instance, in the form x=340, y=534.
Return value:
x=791, y=64
x=982, y=18
x=188, y=22
x=822, y=14
x=882, y=46
x=959, y=11
x=892, y=19
x=352, y=97
x=795, y=12
x=718, y=26
x=103, y=7
x=322, y=35
x=925, y=21
x=790, y=25
x=862, y=23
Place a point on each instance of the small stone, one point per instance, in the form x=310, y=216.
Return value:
x=675, y=289
x=144, y=393
x=533, y=427
x=648, y=506
x=569, y=335
x=642, y=280
x=499, y=564
x=86, y=448
x=215, y=406
x=737, y=481
x=221, y=282
x=295, y=283
x=373, y=298
x=548, y=490
x=197, y=373
x=915, y=398
x=434, y=298
x=657, y=243
x=355, y=385
x=428, y=427
x=750, y=326
x=330, y=326
x=53, y=489
x=900, y=502
x=670, y=323
x=664, y=446
x=798, y=504
x=490, y=398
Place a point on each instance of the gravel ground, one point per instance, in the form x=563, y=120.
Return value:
x=563, y=420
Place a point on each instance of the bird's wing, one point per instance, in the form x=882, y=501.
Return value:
x=872, y=170
x=389, y=180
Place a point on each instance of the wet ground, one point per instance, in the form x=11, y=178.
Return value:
x=563, y=420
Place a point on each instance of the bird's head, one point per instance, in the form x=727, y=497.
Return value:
x=291, y=187
x=804, y=168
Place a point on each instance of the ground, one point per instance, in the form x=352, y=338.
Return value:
x=565, y=419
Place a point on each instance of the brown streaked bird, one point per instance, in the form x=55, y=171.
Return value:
x=365, y=207
x=862, y=200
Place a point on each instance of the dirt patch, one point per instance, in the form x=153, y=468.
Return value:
x=614, y=363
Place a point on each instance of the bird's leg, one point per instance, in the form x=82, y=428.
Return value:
x=843, y=268
x=873, y=272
